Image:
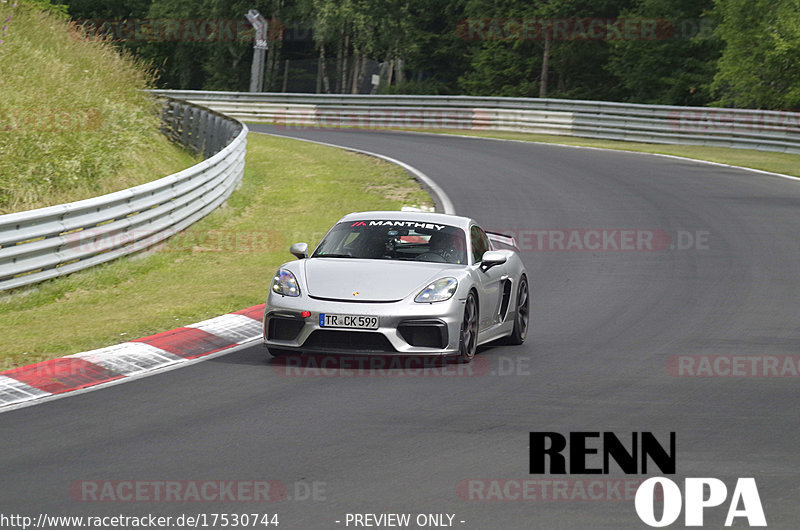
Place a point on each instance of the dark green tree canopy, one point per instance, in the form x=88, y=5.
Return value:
x=743, y=53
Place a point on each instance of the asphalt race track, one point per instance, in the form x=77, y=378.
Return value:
x=609, y=328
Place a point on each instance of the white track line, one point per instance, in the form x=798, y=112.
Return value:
x=663, y=155
x=444, y=200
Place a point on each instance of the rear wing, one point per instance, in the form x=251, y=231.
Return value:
x=502, y=241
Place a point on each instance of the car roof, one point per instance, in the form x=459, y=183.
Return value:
x=418, y=217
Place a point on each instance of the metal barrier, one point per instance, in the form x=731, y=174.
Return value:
x=40, y=244
x=738, y=128
x=49, y=242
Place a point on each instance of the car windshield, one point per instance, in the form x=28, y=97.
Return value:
x=394, y=240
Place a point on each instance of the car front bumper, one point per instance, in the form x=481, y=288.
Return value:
x=405, y=327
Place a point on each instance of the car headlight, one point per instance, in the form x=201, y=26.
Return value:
x=438, y=291
x=285, y=283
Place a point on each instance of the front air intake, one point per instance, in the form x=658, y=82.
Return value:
x=424, y=333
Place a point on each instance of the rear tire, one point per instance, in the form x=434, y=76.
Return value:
x=522, y=315
x=468, y=336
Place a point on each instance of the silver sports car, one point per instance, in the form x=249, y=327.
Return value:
x=401, y=283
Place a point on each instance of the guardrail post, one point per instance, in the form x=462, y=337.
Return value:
x=186, y=125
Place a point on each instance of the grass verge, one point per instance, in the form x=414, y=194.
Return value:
x=292, y=191
x=73, y=122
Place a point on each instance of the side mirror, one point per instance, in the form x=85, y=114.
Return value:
x=492, y=258
x=299, y=250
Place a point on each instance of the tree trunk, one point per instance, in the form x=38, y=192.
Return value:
x=339, y=59
x=273, y=56
x=545, y=60
x=362, y=72
x=354, y=79
x=345, y=55
x=325, y=81
x=268, y=67
x=285, y=75
x=400, y=71
x=320, y=58
x=390, y=74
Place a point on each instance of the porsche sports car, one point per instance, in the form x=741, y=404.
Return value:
x=399, y=283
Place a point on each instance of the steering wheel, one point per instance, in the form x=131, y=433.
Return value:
x=432, y=256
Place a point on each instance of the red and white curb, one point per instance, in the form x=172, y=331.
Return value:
x=27, y=384
x=86, y=369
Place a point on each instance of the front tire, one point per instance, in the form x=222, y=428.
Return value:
x=522, y=316
x=468, y=336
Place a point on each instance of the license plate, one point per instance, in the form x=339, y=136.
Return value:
x=329, y=320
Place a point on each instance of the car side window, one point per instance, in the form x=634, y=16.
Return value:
x=480, y=243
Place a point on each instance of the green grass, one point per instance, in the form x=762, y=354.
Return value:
x=292, y=191
x=73, y=123
x=785, y=163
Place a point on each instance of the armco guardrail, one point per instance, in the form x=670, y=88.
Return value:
x=40, y=244
x=750, y=129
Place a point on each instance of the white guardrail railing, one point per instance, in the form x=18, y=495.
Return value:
x=48, y=242
x=750, y=129
x=36, y=245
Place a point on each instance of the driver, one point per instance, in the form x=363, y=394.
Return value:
x=374, y=246
x=448, y=246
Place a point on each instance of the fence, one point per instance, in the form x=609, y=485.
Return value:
x=39, y=244
x=738, y=128
x=49, y=242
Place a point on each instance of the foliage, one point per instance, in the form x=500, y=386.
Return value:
x=73, y=123
x=677, y=66
x=759, y=63
x=732, y=52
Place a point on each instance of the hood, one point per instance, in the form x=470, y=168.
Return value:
x=373, y=280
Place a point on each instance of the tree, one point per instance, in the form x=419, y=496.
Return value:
x=106, y=9
x=545, y=48
x=675, y=64
x=505, y=60
x=759, y=63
